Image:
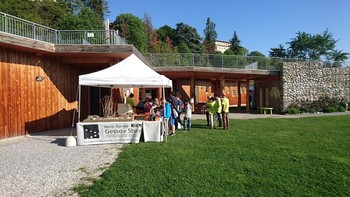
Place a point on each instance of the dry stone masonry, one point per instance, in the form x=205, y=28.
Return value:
x=308, y=81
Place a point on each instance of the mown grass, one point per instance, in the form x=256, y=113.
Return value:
x=262, y=157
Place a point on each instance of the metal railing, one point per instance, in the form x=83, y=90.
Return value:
x=20, y=27
x=225, y=61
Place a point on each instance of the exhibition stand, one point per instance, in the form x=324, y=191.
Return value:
x=118, y=132
x=129, y=73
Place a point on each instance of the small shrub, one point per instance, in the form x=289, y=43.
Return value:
x=312, y=111
x=330, y=110
x=341, y=109
x=293, y=110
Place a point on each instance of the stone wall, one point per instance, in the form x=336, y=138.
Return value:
x=308, y=81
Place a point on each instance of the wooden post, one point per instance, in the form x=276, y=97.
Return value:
x=247, y=95
x=260, y=97
x=222, y=85
x=192, y=89
x=266, y=97
x=239, y=95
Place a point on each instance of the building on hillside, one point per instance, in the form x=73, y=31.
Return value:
x=40, y=78
x=221, y=46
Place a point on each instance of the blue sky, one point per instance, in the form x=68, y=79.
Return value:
x=260, y=24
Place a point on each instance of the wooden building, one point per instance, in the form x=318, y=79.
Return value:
x=199, y=82
x=39, y=83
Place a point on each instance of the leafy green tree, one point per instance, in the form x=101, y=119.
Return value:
x=132, y=29
x=183, y=48
x=256, y=54
x=235, y=45
x=210, y=36
x=58, y=14
x=280, y=51
x=86, y=19
x=185, y=34
x=228, y=52
x=99, y=6
x=166, y=32
x=314, y=47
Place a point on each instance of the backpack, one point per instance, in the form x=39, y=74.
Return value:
x=181, y=104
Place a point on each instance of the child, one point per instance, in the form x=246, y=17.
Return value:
x=188, y=115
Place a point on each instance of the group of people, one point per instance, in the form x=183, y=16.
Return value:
x=170, y=109
x=173, y=109
x=217, y=110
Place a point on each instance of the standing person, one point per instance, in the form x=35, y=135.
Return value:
x=166, y=115
x=218, y=110
x=173, y=101
x=188, y=116
x=173, y=119
x=207, y=104
x=225, y=110
x=180, y=107
x=130, y=101
x=212, y=113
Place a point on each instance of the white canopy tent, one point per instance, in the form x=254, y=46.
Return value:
x=129, y=73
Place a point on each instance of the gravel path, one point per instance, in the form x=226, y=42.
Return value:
x=40, y=165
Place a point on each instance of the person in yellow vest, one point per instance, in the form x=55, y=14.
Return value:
x=218, y=109
x=207, y=104
x=212, y=112
x=130, y=101
x=225, y=110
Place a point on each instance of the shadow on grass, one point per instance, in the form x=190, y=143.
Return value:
x=201, y=126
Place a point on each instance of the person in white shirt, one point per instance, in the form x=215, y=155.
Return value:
x=188, y=115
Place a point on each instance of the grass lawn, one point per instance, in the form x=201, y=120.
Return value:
x=262, y=157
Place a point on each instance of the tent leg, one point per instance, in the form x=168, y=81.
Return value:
x=79, y=103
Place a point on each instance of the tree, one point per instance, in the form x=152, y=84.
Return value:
x=135, y=30
x=58, y=14
x=86, y=19
x=256, y=54
x=280, y=51
x=235, y=45
x=185, y=34
x=166, y=32
x=153, y=43
x=314, y=47
x=99, y=6
x=210, y=36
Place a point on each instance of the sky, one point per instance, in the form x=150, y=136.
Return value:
x=259, y=24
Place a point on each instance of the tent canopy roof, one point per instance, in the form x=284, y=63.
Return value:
x=131, y=72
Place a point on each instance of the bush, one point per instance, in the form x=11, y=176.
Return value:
x=293, y=110
x=341, y=109
x=330, y=110
x=323, y=104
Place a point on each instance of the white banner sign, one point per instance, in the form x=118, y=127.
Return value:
x=108, y=132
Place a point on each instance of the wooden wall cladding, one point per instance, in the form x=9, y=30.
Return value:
x=28, y=106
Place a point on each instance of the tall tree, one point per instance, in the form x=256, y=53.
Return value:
x=185, y=34
x=235, y=45
x=314, y=47
x=136, y=30
x=153, y=43
x=210, y=36
x=256, y=54
x=99, y=6
x=280, y=51
x=166, y=32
